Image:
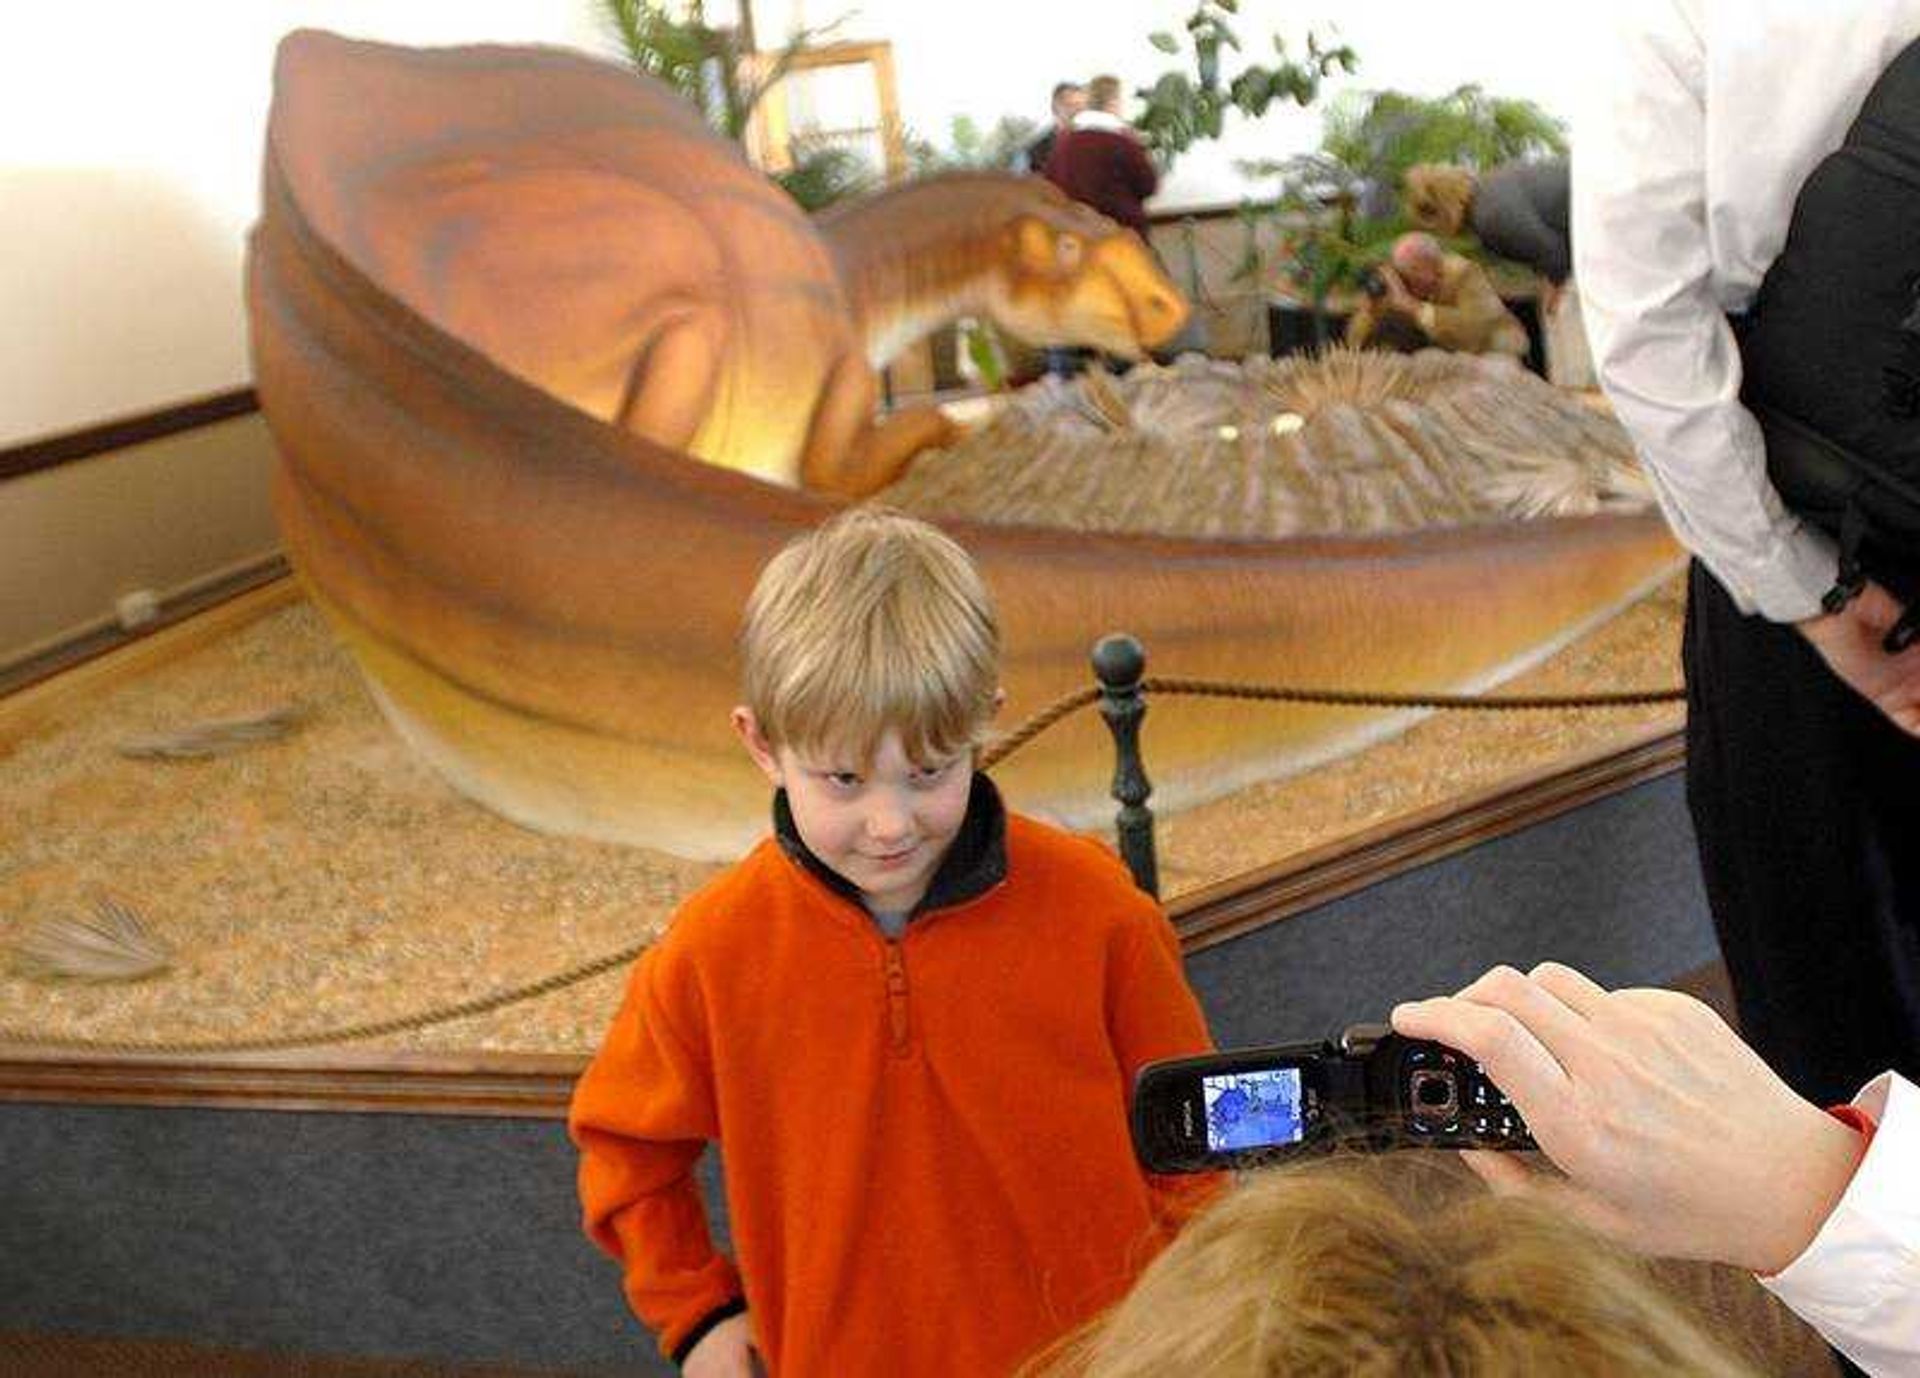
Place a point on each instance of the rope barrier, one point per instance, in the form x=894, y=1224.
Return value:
x=1348, y=698
x=998, y=752
x=351, y=1033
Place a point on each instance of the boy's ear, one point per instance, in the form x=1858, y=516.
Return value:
x=999, y=701
x=756, y=744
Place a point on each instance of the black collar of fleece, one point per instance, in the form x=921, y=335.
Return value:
x=973, y=865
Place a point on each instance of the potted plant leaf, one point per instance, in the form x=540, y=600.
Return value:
x=1181, y=109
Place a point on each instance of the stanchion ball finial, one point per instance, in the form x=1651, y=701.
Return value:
x=1119, y=661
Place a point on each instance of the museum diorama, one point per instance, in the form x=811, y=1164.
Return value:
x=553, y=360
x=551, y=370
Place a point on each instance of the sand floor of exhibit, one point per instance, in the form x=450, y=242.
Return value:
x=331, y=878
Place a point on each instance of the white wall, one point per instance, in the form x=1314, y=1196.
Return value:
x=130, y=138
x=170, y=517
x=129, y=163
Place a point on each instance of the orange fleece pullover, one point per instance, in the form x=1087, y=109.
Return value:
x=924, y=1140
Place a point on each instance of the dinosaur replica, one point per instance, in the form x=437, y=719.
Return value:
x=617, y=255
x=551, y=372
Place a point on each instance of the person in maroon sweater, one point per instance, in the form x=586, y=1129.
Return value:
x=1101, y=161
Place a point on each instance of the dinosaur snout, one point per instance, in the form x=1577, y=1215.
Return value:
x=1158, y=315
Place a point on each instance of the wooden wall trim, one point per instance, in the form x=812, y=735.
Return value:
x=513, y=1085
x=17, y=461
x=102, y=659
x=537, y=1085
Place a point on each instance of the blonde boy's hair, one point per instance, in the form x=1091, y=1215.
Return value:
x=1391, y=1267
x=873, y=621
x=1103, y=93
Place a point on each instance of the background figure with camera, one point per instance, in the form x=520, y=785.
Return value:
x=1803, y=768
x=1426, y=296
x=1674, y=1137
x=1523, y=212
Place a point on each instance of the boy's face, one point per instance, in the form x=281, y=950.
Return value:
x=884, y=824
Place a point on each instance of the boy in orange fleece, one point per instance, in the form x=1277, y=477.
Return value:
x=911, y=1018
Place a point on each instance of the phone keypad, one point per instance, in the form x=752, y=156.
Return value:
x=1490, y=1115
x=1484, y=1115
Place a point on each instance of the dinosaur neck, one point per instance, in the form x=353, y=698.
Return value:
x=914, y=258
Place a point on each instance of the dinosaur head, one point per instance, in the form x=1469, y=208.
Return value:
x=1074, y=277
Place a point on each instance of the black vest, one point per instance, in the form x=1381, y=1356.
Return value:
x=1831, y=348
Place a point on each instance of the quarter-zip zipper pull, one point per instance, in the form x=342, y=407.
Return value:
x=896, y=997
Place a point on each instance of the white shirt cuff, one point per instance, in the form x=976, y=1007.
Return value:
x=1787, y=588
x=1858, y=1282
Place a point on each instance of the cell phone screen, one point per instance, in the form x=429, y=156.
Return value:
x=1253, y=1109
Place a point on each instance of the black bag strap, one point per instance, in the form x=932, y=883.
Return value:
x=1850, y=578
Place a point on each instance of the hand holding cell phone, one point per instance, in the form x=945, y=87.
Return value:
x=1673, y=1136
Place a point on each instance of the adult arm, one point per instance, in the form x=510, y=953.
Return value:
x=1667, y=360
x=641, y=1115
x=1675, y=1138
x=1664, y=352
x=1469, y=322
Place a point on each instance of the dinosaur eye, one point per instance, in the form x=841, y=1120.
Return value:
x=1067, y=250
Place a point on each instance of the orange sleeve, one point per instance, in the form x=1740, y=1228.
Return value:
x=1152, y=1014
x=642, y=1113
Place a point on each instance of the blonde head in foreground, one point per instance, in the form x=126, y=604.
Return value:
x=1393, y=1267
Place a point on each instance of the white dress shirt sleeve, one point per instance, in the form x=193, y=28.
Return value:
x=1858, y=1283
x=1661, y=343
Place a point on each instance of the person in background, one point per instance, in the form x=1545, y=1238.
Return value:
x=1703, y=120
x=1521, y=211
x=1397, y=1266
x=1100, y=160
x=1670, y=1135
x=910, y=1017
x=1069, y=99
x=1427, y=296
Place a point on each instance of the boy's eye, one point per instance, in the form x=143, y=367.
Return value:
x=842, y=779
x=928, y=774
